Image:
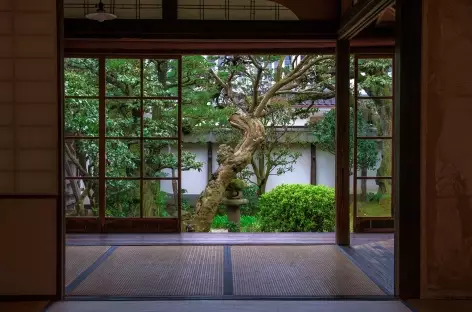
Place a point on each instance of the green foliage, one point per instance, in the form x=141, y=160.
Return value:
x=325, y=137
x=251, y=194
x=298, y=208
x=124, y=117
x=247, y=223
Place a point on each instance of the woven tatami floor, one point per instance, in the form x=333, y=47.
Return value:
x=214, y=271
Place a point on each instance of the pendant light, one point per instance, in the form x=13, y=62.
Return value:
x=101, y=15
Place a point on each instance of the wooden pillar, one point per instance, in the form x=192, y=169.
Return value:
x=342, y=142
x=313, y=164
x=210, y=161
x=406, y=177
x=169, y=9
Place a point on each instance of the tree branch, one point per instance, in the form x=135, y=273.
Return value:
x=299, y=71
x=75, y=161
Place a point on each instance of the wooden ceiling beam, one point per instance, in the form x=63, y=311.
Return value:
x=190, y=29
x=360, y=16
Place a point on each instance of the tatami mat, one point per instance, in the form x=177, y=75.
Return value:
x=297, y=271
x=79, y=258
x=157, y=271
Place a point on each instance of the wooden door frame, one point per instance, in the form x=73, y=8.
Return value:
x=408, y=45
x=141, y=224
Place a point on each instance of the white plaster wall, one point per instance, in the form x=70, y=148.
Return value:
x=325, y=168
x=300, y=174
x=195, y=182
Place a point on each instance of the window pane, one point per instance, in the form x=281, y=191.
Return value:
x=233, y=10
x=123, y=118
x=374, y=158
x=160, y=199
x=81, y=77
x=81, y=197
x=375, y=77
x=81, y=117
x=124, y=9
x=161, y=159
x=81, y=158
x=123, y=158
x=161, y=77
x=374, y=118
x=374, y=198
x=122, y=198
x=123, y=77
x=161, y=118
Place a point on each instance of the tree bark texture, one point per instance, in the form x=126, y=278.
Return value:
x=230, y=163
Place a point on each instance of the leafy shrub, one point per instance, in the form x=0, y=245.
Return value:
x=252, y=208
x=298, y=208
x=247, y=223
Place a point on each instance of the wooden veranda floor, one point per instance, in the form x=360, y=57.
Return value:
x=219, y=239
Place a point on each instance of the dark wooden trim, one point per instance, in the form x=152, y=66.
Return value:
x=179, y=142
x=169, y=10
x=101, y=142
x=313, y=164
x=358, y=17
x=27, y=196
x=60, y=226
x=80, y=47
x=18, y=298
x=407, y=158
x=82, y=225
x=342, y=142
x=237, y=298
x=210, y=160
x=197, y=29
x=355, y=138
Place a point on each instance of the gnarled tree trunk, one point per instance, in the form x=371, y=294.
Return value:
x=231, y=162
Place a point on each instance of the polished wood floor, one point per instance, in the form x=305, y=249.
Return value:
x=416, y=305
x=218, y=239
x=31, y=306
x=376, y=259
x=230, y=306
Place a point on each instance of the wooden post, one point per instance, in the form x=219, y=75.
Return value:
x=313, y=164
x=407, y=149
x=342, y=143
x=169, y=10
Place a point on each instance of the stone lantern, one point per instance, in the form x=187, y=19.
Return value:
x=233, y=202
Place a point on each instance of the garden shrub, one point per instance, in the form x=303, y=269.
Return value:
x=252, y=208
x=298, y=208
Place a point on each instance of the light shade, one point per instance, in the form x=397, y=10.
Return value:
x=100, y=15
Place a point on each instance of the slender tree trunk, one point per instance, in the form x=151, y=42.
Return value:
x=262, y=187
x=363, y=184
x=385, y=168
x=148, y=200
x=230, y=164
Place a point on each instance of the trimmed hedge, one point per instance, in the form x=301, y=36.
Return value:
x=298, y=208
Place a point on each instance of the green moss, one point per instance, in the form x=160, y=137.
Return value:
x=236, y=185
